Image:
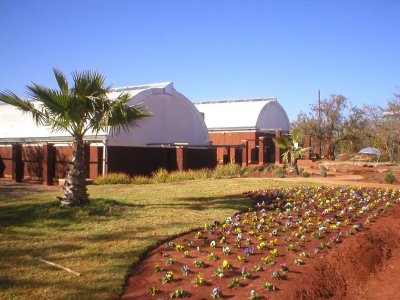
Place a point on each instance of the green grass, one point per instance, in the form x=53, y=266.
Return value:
x=104, y=239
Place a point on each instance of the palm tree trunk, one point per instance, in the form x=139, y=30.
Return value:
x=294, y=165
x=75, y=191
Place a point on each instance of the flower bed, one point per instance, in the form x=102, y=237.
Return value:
x=251, y=254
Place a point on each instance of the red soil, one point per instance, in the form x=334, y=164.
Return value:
x=364, y=266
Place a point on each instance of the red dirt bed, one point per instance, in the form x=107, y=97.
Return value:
x=365, y=265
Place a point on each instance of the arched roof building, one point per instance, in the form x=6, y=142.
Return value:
x=234, y=122
x=264, y=114
x=157, y=142
x=174, y=120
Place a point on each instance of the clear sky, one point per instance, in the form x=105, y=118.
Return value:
x=212, y=49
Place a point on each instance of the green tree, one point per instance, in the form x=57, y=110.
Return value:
x=79, y=109
x=291, y=149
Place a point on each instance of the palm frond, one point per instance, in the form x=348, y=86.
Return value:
x=61, y=80
x=282, y=142
x=24, y=105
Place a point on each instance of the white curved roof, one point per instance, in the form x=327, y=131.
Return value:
x=247, y=114
x=174, y=120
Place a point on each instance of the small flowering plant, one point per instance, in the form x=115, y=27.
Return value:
x=185, y=270
x=213, y=244
x=219, y=273
x=179, y=248
x=284, y=268
x=254, y=295
x=212, y=256
x=257, y=268
x=273, y=233
x=226, y=265
x=241, y=259
x=276, y=275
x=235, y=282
x=199, y=264
x=216, y=293
x=304, y=254
x=245, y=274
x=268, y=260
x=274, y=252
x=179, y=293
x=262, y=246
x=226, y=250
x=298, y=261
x=171, y=245
x=167, y=278
x=248, y=250
x=269, y=286
x=198, y=280
x=289, y=248
x=152, y=291
x=157, y=268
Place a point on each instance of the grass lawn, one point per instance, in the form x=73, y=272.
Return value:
x=103, y=240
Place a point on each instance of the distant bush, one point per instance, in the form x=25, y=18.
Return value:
x=390, y=178
x=280, y=172
x=305, y=174
x=271, y=167
x=160, y=176
x=181, y=176
x=142, y=180
x=324, y=173
x=229, y=170
x=114, y=178
x=203, y=173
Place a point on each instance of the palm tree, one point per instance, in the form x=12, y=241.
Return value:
x=79, y=109
x=291, y=149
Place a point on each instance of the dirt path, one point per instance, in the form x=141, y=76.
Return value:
x=344, y=180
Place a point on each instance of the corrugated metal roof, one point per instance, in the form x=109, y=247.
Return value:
x=242, y=114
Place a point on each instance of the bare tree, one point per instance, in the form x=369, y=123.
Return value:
x=332, y=121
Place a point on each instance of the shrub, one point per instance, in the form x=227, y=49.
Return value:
x=203, y=174
x=142, y=180
x=390, y=178
x=305, y=174
x=180, y=176
x=271, y=167
x=324, y=173
x=114, y=178
x=228, y=170
x=280, y=172
x=160, y=176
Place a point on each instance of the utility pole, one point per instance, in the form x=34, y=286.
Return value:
x=319, y=124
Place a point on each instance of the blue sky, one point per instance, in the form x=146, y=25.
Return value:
x=210, y=49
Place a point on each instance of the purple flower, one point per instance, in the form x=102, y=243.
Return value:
x=216, y=292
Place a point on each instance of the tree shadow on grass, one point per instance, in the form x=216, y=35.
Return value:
x=49, y=214
x=236, y=202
